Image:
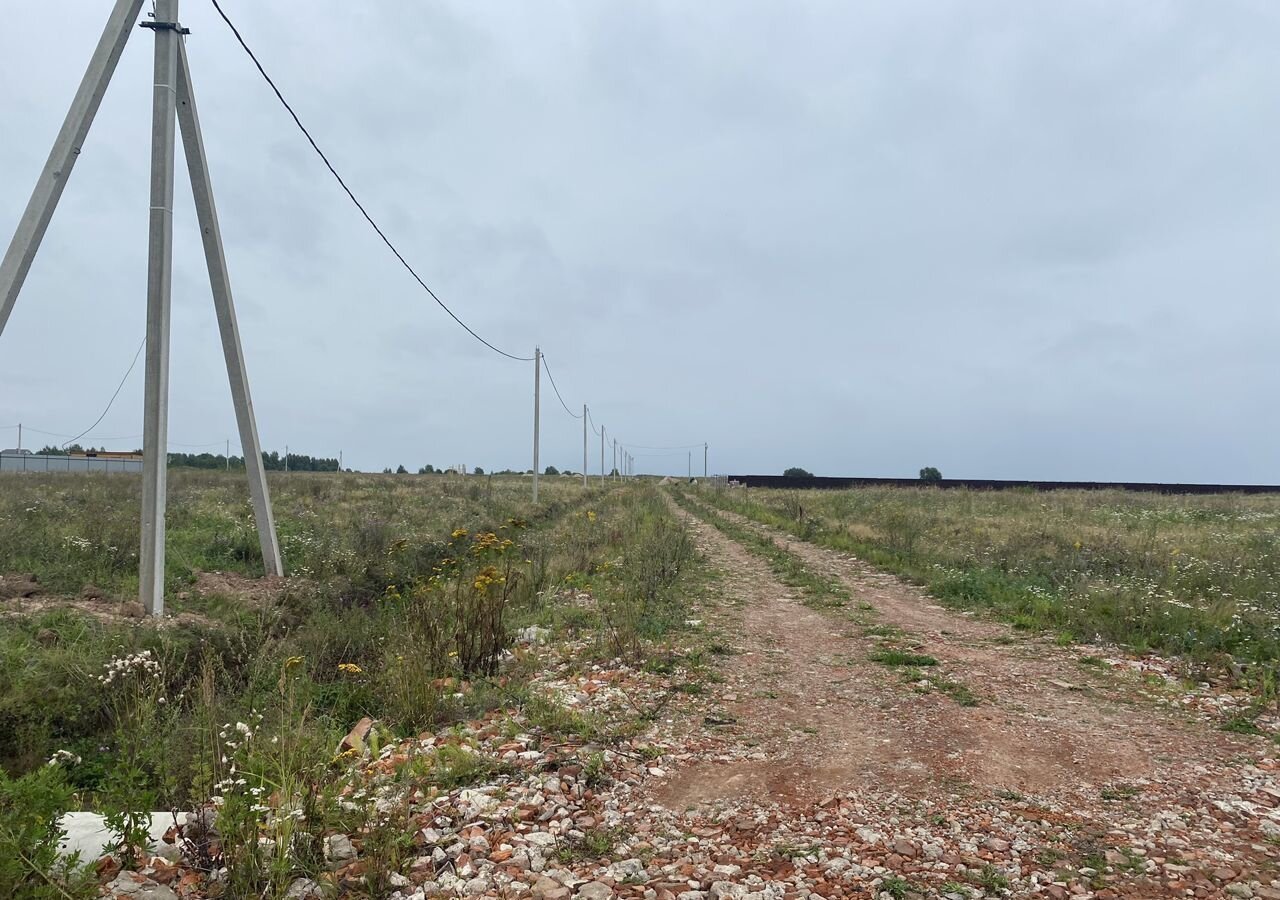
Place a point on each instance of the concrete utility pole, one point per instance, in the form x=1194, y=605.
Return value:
x=286, y=459
x=228, y=454
x=602, y=456
x=171, y=100
x=615, y=459
x=691, y=465
x=19, y=437
x=584, y=445
x=704, y=462
x=66, y=149
x=537, y=403
x=225, y=311
x=155, y=413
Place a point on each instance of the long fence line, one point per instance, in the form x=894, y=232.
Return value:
x=996, y=484
x=37, y=462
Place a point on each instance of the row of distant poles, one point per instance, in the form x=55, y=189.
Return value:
x=173, y=99
x=623, y=461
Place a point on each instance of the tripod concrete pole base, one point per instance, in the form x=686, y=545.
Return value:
x=171, y=99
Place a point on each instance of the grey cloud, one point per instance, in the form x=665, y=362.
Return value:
x=1007, y=240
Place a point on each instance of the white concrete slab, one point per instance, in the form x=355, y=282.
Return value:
x=88, y=833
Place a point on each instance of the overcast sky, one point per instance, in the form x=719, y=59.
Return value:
x=1006, y=239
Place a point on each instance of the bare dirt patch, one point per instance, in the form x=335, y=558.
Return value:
x=23, y=595
x=259, y=591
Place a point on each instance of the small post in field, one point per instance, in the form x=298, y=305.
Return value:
x=584, y=445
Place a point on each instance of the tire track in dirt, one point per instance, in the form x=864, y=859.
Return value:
x=815, y=717
x=1028, y=678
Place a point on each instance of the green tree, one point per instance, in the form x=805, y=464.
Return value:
x=479, y=471
x=401, y=470
x=797, y=472
x=551, y=470
x=930, y=475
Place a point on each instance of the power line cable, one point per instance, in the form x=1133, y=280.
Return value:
x=681, y=447
x=381, y=234
x=360, y=206
x=45, y=433
x=127, y=373
x=552, y=379
x=590, y=422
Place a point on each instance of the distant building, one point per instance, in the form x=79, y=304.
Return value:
x=79, y=461
x=105, y=454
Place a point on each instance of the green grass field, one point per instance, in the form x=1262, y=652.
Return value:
x=402, y=589
x=405, y=594
x=1196, y=576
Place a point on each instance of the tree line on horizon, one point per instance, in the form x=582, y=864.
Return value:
x=273, y=461
x=298, y=462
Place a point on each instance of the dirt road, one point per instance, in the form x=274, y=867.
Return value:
x=1006, y=766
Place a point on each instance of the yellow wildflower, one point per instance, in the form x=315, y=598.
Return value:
x=292, y=661
x=349, y=669
x=459, y=533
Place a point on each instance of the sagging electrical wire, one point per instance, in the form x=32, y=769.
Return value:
x=360, y=206
x=127, y=373
x=552, y=379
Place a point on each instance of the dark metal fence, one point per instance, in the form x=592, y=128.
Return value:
x=994, y=484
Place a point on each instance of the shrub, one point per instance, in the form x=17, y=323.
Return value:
x=30, y=808
x=797, y=472
x=930, y=475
